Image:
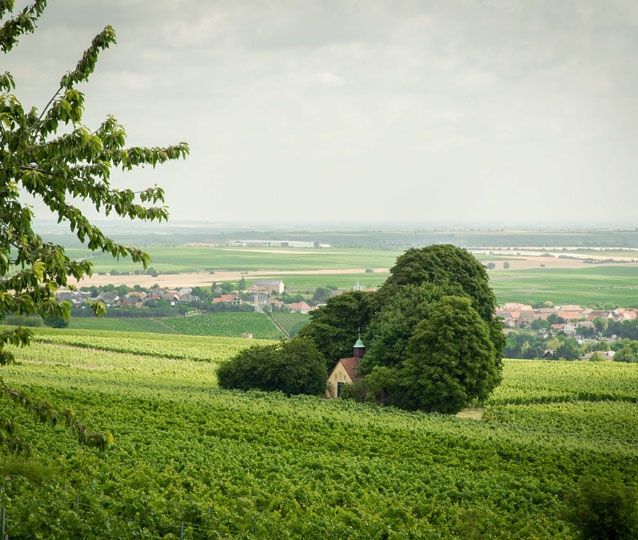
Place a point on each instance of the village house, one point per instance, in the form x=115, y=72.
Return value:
x=569, y=329
x=110, y=298
x=514, y=306
x=346, y=371
x=544, y=313
x=75, y=297
x=258, y=299
x=600, y=314
x=572, y=313
x=227, y=299
x=526, y=317
x=299, y=307
x=188, y=298
x=625, y=314
x=171, y=295
x=267, y=286
x=275, y=303
x=130, y=301
x=585, y=324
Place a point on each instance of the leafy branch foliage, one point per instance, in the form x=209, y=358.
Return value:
x=51, y=156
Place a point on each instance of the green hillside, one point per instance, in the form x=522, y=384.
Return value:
x=228, y=464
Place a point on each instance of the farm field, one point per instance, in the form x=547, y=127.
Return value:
x=602, y=252
x=616, y=285
x=206, y=259
x=229, y=324
x=228, y=464
x=561, y=281
x=193, y=259
x=197, y=348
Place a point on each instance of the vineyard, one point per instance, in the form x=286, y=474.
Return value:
x=289, y=323
x=228, y=324
x=191, y=460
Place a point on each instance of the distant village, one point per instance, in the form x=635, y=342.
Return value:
x=570, y=320
x=270, y=295
x=532, y=331
x=261, y=296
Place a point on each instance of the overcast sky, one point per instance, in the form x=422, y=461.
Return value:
x=435, y=112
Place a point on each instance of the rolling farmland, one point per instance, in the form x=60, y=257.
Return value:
x=297, y=466
x=616, y=285
x=207, y=259
x=559, y=280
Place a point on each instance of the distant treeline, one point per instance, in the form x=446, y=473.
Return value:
x=386, y=239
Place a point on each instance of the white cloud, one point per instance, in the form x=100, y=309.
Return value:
x=437, y=110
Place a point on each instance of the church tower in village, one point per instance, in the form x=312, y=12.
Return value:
x=346, y=371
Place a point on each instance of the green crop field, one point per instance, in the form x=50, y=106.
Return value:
x=207, y=259
x=605, y=284
x=198, y=348
x=601, y=284
x=195, y=259
x=211, y=463
x=612, y=284
x=230, y=324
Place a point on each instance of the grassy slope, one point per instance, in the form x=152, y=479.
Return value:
x=233, y=464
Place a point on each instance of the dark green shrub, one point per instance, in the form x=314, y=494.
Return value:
x=605, y=509
x=56, y=322
x=292, y=367
x=32, y=321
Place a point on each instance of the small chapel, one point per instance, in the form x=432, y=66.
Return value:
x=346, y=371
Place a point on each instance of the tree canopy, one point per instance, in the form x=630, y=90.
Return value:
x=450, y=359
x=444, y=265
x=334, y=327
x=434, y=342
x=51, y=156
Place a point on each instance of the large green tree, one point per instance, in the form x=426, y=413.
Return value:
x=452, y=268
x=434, y=342
x=389, y=333
x=449, y=362
x=451, y=359
x=443, y=265
x=51, y=156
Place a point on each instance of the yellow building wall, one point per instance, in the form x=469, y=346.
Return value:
x=339, y=374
